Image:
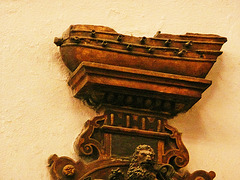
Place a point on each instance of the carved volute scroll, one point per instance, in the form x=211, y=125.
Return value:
x=136, y=84
x=85, y=144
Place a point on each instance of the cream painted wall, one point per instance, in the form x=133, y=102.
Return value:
x=39, y=116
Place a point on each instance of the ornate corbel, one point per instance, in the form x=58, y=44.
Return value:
x=136, y=84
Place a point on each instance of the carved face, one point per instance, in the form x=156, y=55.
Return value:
x=145, y=158
x=142, y=164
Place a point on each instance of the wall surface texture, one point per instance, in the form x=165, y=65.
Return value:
x=39, y=116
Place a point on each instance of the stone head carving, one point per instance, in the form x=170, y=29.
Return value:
x=144, y=167
x=142, y=164
x=143, y=156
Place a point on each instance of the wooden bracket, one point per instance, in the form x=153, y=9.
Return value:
x=135, y=92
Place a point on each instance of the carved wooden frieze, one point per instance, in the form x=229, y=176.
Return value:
x=102, y=86
x=135, y=84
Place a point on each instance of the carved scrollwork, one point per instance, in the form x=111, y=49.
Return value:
x=138, y=84
x=62, y=167
x=84, y=144
x=178, y=156
x=201, y=175
x=142, y=167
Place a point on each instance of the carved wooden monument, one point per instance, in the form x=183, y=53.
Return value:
x=135, y=84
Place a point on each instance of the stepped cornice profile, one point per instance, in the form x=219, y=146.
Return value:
x=136, y=84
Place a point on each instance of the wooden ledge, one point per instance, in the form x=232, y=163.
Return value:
x=91, y=78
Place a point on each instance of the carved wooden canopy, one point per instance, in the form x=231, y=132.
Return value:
x=135, y=84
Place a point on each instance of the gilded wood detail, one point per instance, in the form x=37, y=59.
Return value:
x=85, y=144
x=136, y=84
x=172, y=149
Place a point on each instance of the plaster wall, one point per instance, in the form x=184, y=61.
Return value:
x=39, y=116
